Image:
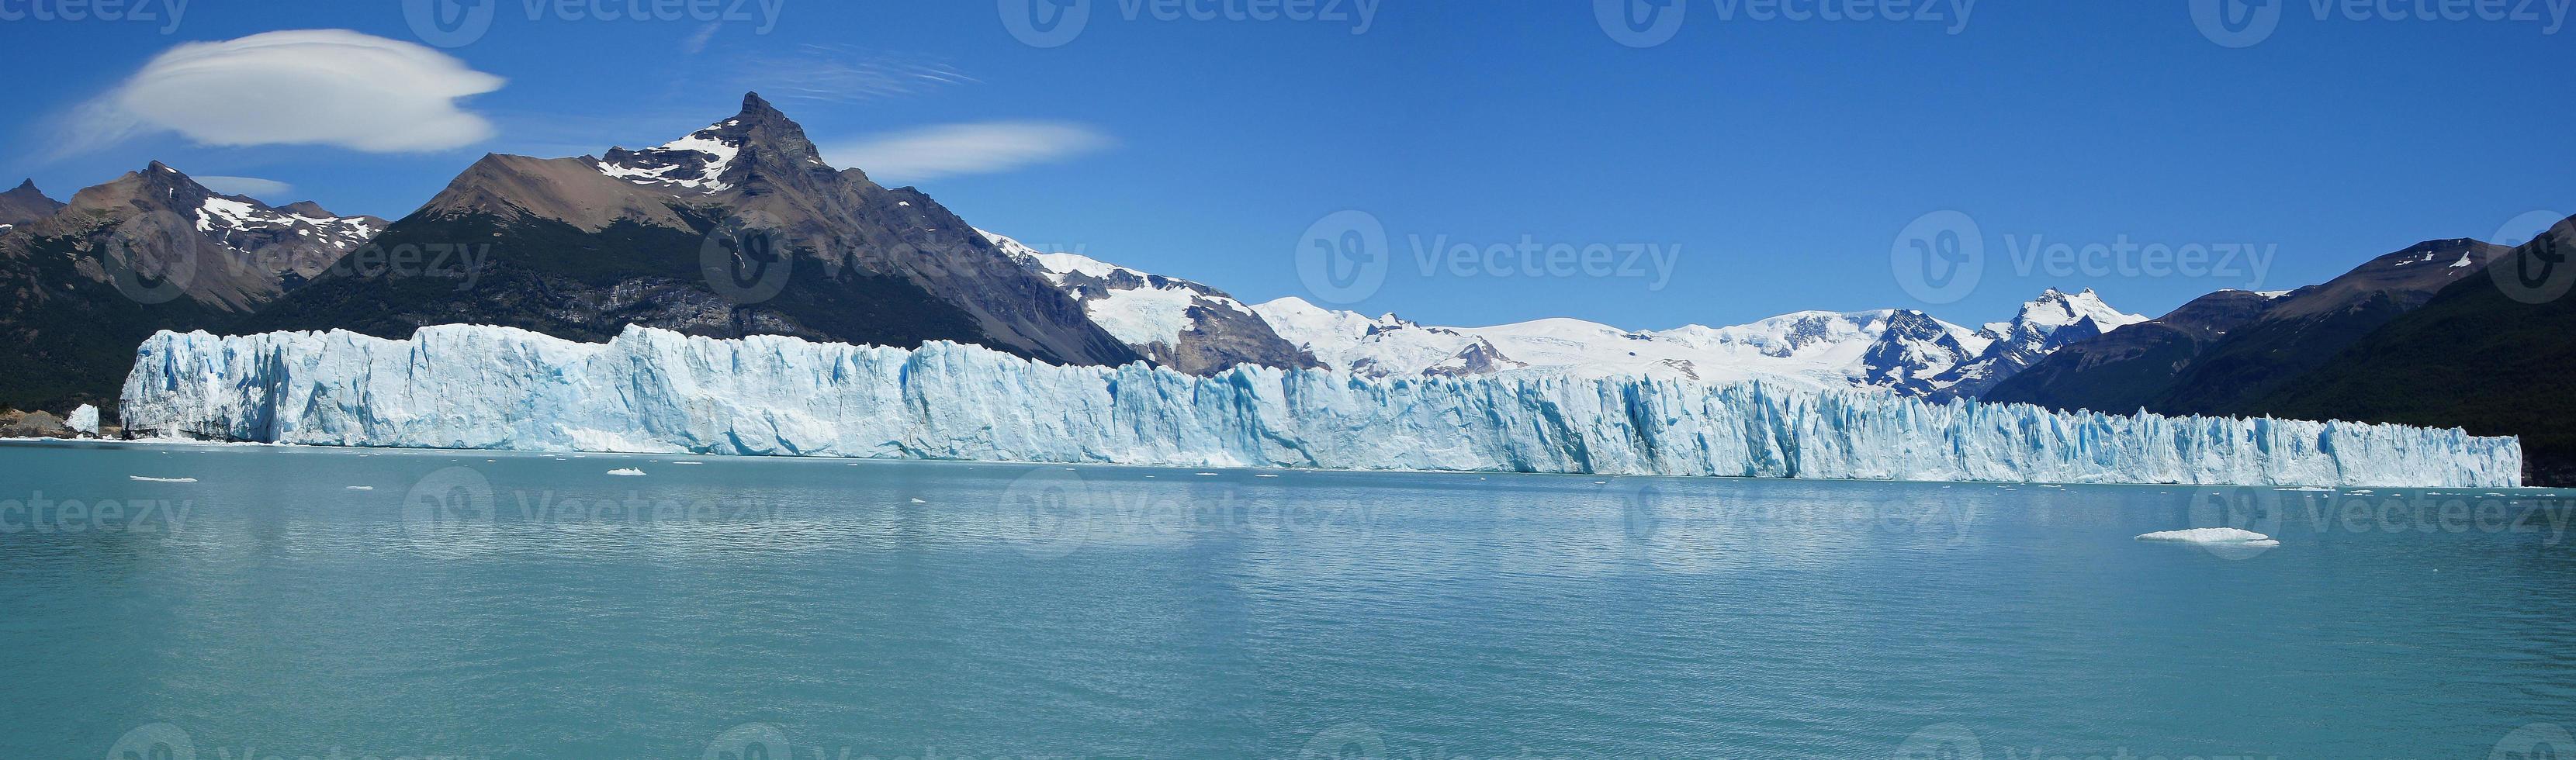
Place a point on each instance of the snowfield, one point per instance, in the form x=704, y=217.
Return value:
x=654, y=391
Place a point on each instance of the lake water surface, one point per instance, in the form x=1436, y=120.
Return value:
x=500, y=605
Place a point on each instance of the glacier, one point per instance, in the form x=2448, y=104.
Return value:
x=654, y=391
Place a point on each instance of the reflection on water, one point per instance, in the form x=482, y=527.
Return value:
x=506, y=605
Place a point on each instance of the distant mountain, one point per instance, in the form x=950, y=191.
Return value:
x=1904, y=352
x=2471, y=356
x=2129, y=369
x=2223, y=351
x=2054, y=320
x=25, y=204
x=1174, y=322
x=736, y=229
x=84, y=283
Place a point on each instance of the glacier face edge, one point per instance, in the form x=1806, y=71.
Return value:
x=655, y=391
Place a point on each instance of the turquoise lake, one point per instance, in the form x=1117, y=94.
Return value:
x=322, y=603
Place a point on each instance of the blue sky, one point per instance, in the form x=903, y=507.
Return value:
x=1774, y=163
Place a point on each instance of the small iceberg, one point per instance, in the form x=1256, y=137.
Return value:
x=362, y=488
x=627, y=471
x=146, y=479
x=918, y=501
x=2212, y=536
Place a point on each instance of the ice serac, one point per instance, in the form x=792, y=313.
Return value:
x=657, y=391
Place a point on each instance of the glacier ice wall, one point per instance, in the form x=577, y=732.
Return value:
x=655, y=391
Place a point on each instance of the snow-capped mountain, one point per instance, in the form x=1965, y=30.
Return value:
x=592, y=244
x=1902, y=351
x=1175, y=322
x=147, y=251
x=2054, y=320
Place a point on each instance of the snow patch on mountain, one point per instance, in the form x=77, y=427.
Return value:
x=655, y=391
x=1888, y=348
x=695, y=162
x=1138, y=307
x=235, y=222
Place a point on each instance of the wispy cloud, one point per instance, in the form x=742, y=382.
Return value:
x=954, y=149
x=841, y=74
x=303, y=87
x=697, y=42
x=263, y=189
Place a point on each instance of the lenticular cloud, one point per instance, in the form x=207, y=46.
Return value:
x=301, y=87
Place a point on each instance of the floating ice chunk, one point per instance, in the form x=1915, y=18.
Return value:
x=626, y=471
x=149, y=479
x=362, y=488
x=2212, y=536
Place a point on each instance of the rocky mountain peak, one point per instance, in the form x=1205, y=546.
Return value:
x=25, y=204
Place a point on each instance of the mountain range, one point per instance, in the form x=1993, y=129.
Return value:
x=741, y=229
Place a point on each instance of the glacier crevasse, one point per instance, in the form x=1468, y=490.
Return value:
x=654, y=391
